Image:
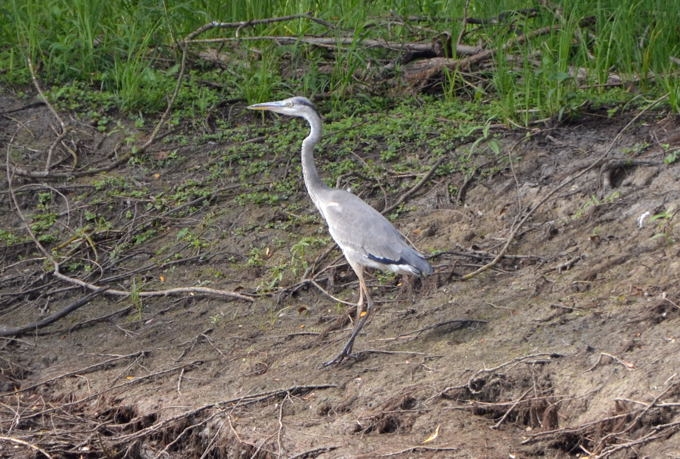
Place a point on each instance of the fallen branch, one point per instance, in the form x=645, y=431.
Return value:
x=634, y=422
x=460, y=322
x=421, y=73
x=659, y=431
x=564, y=183
x=128, y=383
x=18, y=331
x=516, y=360
x=333, y=43
x=420, y=449
x=316, y=452
x=415, y=187
x=625, y=364
x=497, y=425
x=240, y=401
x=241, y=24
x=25, y=443
x=81, y=371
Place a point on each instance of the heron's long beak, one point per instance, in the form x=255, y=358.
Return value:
x=273, y=106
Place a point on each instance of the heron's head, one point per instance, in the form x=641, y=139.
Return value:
x=294, y=106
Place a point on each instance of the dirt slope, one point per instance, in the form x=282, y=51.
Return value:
x=568, y=346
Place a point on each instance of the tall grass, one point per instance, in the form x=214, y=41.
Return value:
x=127, y=49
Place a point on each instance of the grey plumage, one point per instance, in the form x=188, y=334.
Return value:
x=365, y=236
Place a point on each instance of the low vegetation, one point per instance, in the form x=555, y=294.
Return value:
x=545, y=60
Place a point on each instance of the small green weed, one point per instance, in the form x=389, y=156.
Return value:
x=594, y=201
x=672, y=157
x=136, y=300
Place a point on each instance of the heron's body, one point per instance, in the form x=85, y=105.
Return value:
x=358, y=240
x=365, y=236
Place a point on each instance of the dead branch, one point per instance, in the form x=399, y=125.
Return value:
x=360, y=354
x=82, y=371
x=126, y=384
x=624, y=363
x=515, y=361
x=575, y=430
x=659, y=431
x=32, y=327
x=325, y=292
x=96, y=288
x=279, y=432
x=509, y=410
x=333, y=43
x=61, y=132
x=564, y=183
x=634, y=422
x=421, y=73
x=601, y=450
x=419, y=449
x=185, y=431
x=316, y=452
x=460, y=322
x=25, y=443
x=415, y=187
x=240, y=401
x=241, y=24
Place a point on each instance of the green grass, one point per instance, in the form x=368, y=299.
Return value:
x=126, y=51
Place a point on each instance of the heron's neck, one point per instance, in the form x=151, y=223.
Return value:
x=311, y=176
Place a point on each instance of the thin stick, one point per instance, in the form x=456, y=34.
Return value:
x=509, y=410
x=566, y=182
x=415, y=187
x=18, y=331
x=241, y=24
x=325, y=292
x=418, y=449
x=240, y=401
x=81, y=371
x=25, y=443
x=464, y=22
x=635, y=420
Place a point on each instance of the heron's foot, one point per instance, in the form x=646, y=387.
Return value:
x=344, y=354
x=340, y=358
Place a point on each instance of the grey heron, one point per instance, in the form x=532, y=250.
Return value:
x=365, y=236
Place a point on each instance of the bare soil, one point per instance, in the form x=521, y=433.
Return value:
x=568, y=346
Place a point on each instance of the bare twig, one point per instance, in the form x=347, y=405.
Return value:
x=464, y=22
x=279, y=433
x=62, y=126
x=81, y=371
x=634, y=421
x=316, y=452
x=509, y=410
x=659, y=431
x=516, y=360
x=241, y=24
x=325, y=292
x=564, y=183
x=96, y=288
x=240, y=401
x=418, y=449
x=460, y=322
x=18, y=331
x=415, y=187
x=627, y=365
x=25, y=443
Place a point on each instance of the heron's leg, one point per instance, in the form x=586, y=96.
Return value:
x=361, y=317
